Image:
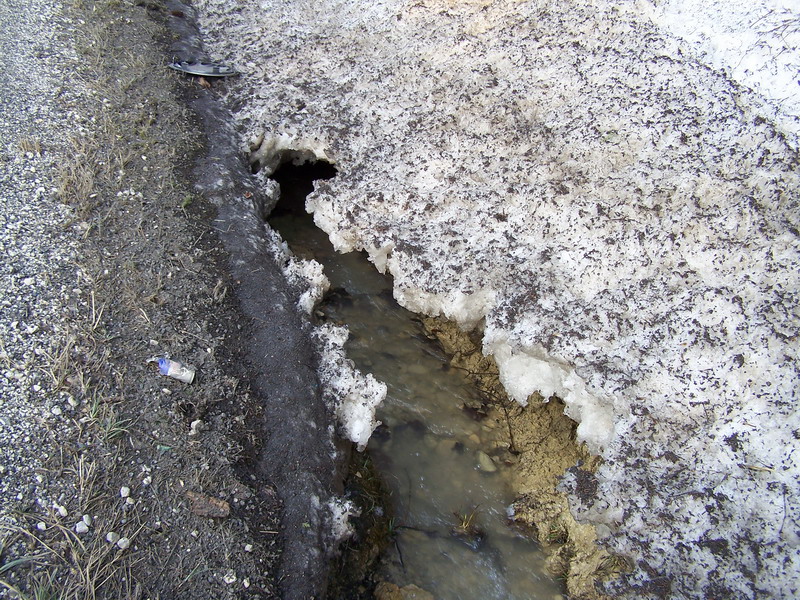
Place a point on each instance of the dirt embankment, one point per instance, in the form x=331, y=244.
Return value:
x=540, y=448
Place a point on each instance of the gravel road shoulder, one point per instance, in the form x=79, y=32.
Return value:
x=116, y=481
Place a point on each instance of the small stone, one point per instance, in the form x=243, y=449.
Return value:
x=147, y=480
x=73, y=402
x=229, y=578
x=124, y=492
x=485, y=462
x=81, y=527
x=56, y=410
x=196, y=427
x=130, y=501
x=41, y=526
x=208, y=506
x=112, y=537
x=62, y=512
x=88, y=520
x=248, y=547
x=123, y=543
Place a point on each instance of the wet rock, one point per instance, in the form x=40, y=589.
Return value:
x=390, y=591
x=485, y=462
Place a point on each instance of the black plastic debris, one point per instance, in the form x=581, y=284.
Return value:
x=204, y=69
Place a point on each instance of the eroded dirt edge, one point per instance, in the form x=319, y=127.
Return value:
x=541, y=446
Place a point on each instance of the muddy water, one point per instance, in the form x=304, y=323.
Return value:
x=449, y=475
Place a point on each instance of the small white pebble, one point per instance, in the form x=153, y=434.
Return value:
x=195, y=533
x=196, y=427
x=112, y=537
x=73, y=402
x=81, y=527
x=124, y=491
x=56, y=410
x=41, y=526
x=248, y=547
x=230, y=577
x=123, y=543
x=88, y=520
x=246, y=582
x=62, y=512
x=147, y=480
x=130, y=501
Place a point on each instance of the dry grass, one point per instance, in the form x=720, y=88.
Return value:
x=47, y=558
x=121, y=422
x=60, y=563
x=612, y=565
x=78, y=173
x=30, y=145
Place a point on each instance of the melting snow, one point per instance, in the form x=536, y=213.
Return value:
x=610, y=190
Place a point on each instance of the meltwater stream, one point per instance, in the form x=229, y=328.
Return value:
x=449, y=497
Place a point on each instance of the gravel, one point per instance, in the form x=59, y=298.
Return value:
x=38, y=279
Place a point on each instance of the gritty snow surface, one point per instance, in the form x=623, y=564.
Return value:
x=757, y=42
x=618, y=214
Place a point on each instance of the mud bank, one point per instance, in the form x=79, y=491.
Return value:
x=298, y=452
x=540, y=446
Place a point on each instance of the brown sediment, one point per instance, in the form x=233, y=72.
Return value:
x=540, y=445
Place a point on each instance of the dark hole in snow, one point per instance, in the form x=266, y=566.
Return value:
x=297, y=182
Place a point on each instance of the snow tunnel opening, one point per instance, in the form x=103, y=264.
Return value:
x=296, y=180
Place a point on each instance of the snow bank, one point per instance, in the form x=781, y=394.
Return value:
x=618, y=213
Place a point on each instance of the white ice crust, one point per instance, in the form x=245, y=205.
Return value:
x=610, y=191
x=307, y=275
x=353, y=396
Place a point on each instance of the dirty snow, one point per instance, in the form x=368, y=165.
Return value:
x=616, y=207
x=756, y=42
